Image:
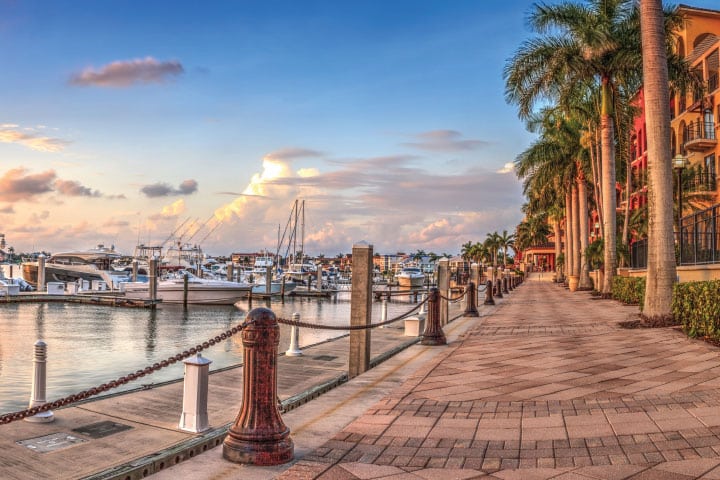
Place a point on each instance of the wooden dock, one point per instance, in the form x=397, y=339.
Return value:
x=130, y=435
x=109, y=299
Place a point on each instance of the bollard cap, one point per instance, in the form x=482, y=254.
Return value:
x=197, y=360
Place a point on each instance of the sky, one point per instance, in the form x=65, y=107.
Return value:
x=138, y=122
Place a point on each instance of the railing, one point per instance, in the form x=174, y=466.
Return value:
x=701, y=182
x=699, y=130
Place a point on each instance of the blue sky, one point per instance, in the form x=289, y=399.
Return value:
x=121, y=120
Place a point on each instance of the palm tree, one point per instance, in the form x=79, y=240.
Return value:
x=505, y=241
x=582, y=44
x=661, y=270
x=492, y=243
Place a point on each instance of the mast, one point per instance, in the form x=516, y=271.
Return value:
x=302, y=232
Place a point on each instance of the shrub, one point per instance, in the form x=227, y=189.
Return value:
x=696, y=306
x=630, y=290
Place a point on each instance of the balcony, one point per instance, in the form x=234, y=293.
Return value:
x=700, y=182
x=699, y=136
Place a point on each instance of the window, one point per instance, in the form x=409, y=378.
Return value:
x=709, y=130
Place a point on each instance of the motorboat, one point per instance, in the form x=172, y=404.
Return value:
x=301, y=272
x=410, y=277
x=200, y=291
x=92, y=265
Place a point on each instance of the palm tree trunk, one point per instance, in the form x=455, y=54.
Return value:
x=575, y=231
x=661, y=269
x=598, y=181
x=568, y=234
x=607, y=131
x=558, y=245
x=585, y=282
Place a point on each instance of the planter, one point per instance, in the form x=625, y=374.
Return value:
x=573, y=281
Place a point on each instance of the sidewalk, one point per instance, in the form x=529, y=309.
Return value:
x=546, y=386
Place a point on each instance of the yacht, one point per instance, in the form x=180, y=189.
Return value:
x=410, y=277
x=82, y=265
x=200, y=291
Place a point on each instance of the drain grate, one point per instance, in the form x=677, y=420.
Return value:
x=51, y=443
x=102, y=429
x=325, y=358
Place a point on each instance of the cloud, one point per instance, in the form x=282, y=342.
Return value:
x=159, y=189
x=7, y=209
x=9, y=134
x=174, y=209
x=294, y=152
x=507, y=168
x=125, y=73
x=444, y=141
x=73, y=188
x=17, y=184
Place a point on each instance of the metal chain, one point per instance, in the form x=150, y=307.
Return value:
x=456, y=299
x=11, y=417
x=350, y=327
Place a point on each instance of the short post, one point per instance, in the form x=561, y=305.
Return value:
x=511, y=280
x=471, y=305
x=152, y=278
x=383, y=312
x=498, y=288
x=489, y=293
x=433, y=334
x=294, y=349
x=360, y=308
x=230, y=271
x=268, y=279
x=41, y=273
x=318, y=279
x=258, y=436
x=444, y=289
x=185, y=289
x=134, y=267
x=194, y=417
x=505, y=282
x=423, y=308
x=37, y=395
x=475, y=273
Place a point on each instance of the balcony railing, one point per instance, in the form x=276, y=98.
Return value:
x=700, y=135
x=701, y=182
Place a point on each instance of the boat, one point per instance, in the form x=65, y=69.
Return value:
x=301, y=272
x=410, y=277
x=92, y=265
x=200, y=291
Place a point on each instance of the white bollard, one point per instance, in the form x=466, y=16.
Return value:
x=383, y=312
x=37, y=396
x=194, y=417
x=294, y=349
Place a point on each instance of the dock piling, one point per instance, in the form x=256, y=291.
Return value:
x=433, y=334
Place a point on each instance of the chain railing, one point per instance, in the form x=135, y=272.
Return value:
x=317, y=326
x=455, y=299
x=85, y=394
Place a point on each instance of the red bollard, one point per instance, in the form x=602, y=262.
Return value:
x=259, y=436
x=471, y=307
x=433, y=334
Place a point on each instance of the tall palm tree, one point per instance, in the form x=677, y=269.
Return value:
x=661, y=270
x=588, y=42
x=492, y=243
x=505, y=241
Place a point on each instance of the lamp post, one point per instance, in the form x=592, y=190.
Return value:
x=679, y=164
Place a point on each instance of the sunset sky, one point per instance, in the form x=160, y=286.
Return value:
x=119, y=121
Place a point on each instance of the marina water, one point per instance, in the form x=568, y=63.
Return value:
x=89, y=345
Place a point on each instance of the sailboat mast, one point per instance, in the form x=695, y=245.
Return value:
x=302, y=232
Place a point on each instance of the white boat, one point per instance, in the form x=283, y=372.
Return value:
x=301, y=272
x=83, y=265
x=200, y=291
x=410, y=277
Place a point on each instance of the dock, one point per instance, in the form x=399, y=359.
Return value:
x=133, y=434
x=88, y=298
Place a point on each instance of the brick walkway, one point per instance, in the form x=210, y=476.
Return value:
x=548, y=386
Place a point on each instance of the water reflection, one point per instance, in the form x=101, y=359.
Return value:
x=151, y=334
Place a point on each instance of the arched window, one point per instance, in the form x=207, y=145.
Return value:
x=673, y=142
x=699, y=39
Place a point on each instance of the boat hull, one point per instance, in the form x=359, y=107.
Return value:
x=413, y=281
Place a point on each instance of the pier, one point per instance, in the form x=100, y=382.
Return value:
x=88, y=298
